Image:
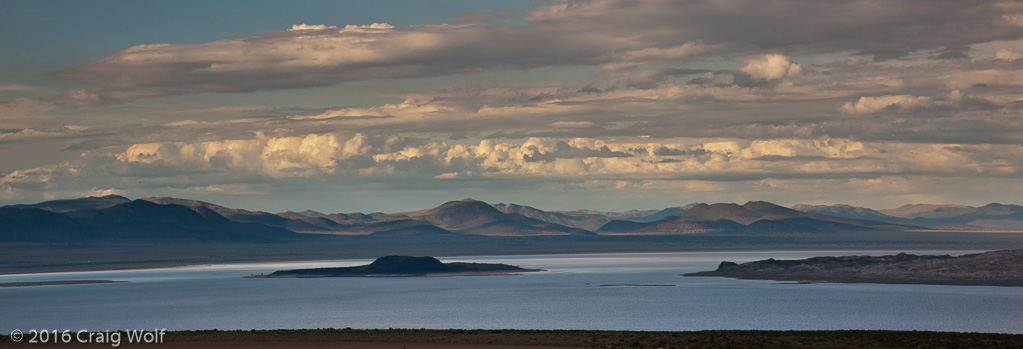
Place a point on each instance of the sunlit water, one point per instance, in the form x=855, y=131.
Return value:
x=567, y=296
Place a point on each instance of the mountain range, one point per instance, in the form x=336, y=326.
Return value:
x=116, y=218
x=992, y=215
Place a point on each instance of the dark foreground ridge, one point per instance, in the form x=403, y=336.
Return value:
x=413, y=338
x=404, y=266
x=996, y=268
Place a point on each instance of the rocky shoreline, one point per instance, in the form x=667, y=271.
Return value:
x=995, y=268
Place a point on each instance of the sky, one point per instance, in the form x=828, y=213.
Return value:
x=386, y=106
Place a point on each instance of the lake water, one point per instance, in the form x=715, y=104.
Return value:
x=567, y=296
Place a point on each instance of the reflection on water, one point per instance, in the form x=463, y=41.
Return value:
x=568, y=296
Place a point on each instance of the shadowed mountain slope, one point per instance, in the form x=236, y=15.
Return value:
x=68, y=205
x=137, y=220
x=114, y=217
x=304, y=224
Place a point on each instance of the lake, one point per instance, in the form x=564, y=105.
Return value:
x=567, y=296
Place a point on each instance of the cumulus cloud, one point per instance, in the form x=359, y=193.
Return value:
x=262, y=163
x=771, y=67
x=614, y=34
x=767, y=71
x=868, y=105
x=333, y=155
x=274, y=157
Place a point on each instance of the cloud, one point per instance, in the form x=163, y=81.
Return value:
x=573, y=124
x=653, y=55
x=868, y=105
x=273, y=157
x=7, y=88
x=330, y=155
x=1007, y=55
x=613, y=34
x=303, y=164
x=954, y=52
x=23, y=113
x=42, y=132
x=484, y=16
x=23, y=108
x=771, y=67
x=651, y=78
x=304, y=26
x=1013, y=19
x=767, y=71
x=229, y=110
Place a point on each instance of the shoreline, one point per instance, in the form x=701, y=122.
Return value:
x=993, y=268
x=57, y=282
x=166, y=265
x=26, y=258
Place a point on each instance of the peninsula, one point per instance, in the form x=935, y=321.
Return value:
x=996, y=268
x=403, y=266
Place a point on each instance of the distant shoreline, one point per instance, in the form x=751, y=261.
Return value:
x=23, y=258
x=56, y=282
x=994, y=268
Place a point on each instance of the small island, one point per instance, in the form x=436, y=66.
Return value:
x=403, y=266
x=996, y=268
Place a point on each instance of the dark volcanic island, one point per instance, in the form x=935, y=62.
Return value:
x=996, y=268
x=403, y=266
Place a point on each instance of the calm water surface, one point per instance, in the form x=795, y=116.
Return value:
x=567, y=296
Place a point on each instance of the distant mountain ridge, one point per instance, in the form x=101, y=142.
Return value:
x=94, y=219
x=116, y=218
x=68, y=205
x=992, y=215
x=587, y=221
x=754, y=216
